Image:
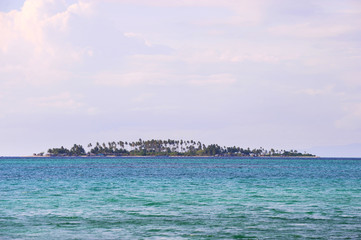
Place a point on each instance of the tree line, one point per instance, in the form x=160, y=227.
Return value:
x=167, y=148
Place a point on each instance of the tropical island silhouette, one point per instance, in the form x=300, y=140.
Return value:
x=167, y=148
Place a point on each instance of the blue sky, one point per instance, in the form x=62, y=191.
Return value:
x=271, y=73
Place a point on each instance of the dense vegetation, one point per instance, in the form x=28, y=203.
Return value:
x=167, y=148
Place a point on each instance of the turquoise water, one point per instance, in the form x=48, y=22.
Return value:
x=179, y=198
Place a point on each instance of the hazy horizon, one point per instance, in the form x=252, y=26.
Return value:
x=264, y=73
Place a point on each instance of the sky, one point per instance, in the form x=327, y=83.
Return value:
x=277, y=74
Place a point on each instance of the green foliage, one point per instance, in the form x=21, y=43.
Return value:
x=77, y=150
x=59, y=151
x=168, y=148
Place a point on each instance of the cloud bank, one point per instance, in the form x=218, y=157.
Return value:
x=250, y=73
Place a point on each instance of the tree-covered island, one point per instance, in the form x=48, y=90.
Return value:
x=168, y=148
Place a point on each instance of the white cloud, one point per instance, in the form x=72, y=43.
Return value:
x=140, y=98
x=31, y=22
x=60, y=102
x=163, y=79
x=26, y=46
x=130, y=79
x=190, y=3
x=215, y=79
x=244, y=11
x=93, y=111
x=309, y=30
x=352, y=78
x=319, y=91
x=137, y=36
x=352, y=118
x=155, y=109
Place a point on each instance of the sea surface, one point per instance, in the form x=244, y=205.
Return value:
x=180, y=198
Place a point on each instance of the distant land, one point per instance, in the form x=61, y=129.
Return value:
x=167, y=148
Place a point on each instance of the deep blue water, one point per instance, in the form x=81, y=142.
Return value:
x=180, y=198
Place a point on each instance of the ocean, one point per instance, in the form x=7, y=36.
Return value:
x=180, y=198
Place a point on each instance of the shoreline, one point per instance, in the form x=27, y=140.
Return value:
x=177, y=156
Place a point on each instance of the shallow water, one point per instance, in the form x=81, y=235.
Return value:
x=180, y=198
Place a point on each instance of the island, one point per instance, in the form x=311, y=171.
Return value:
x=167, y=148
